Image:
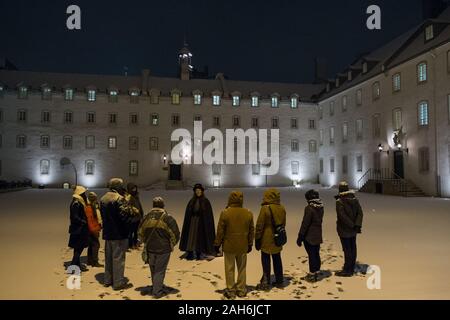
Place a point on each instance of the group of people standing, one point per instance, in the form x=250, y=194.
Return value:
x=119, y=213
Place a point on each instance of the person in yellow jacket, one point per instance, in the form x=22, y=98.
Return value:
x=272, y=212
x=235, y=232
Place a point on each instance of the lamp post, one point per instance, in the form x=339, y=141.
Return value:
x=66, y=161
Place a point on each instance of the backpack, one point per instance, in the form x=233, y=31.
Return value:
x=279, y=234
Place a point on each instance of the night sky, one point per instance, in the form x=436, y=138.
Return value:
x=246, y=40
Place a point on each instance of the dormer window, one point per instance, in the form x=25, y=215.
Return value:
x=91, y=95
x=274, y=101
x=113, y=95
x=68, y=94
x=255, y=101
x=429, y=32
x=349, y=75
x=197, y=99
x=23, y=92
x=134, y=96
x=216, y=100
x=328, y=87
x=364, y=67
x=236, y=101
x=294, y=102
x=337, y=82
x=176, y=97
x=46, y=93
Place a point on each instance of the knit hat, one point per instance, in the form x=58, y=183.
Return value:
x=311, y=194
x=158, y=202
x=115, y=184
x=343, y=186
x=198, y=186
x=92, y=196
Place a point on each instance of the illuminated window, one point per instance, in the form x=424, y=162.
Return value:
x=312, y=146
x=359, y=129
x=134, y=118
x=255, y=101
x=112, y=142
x=359, y=163
x=294, y=124
x=68, y=94
x=68, y=117
x=154, y=120
x=22, y=115
x=345, y=132
x=133, y=168
x=429, y=32
x=153, y=143
x=23, y=92
x=216, y=100
x=90, y=117
x=90, y=142
x=396, y=82
x=396, y=118
x=197, y=99
x=89, y=166
x=45, y=116
x=423, y=113
x=112, y=118
x=133, y=143
x=67, y=142
x=113, y=96
x=422, y=72
x=295, y=167
x=236, y=101
x=274, y=102
x=45, y=142
x=175, y=98
x=294, y=102
x=46, y=93
x=21, y=141
x=294, y=145
x=91, y=95
x=45, y=166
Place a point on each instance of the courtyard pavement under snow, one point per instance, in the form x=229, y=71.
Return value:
x=408, y=238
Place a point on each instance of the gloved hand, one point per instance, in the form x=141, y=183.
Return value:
x=258, y=244
x=249, y=249
x=357, y=229
x=299, y=241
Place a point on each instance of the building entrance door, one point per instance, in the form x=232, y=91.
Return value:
x=398, y=164
x=174, y=171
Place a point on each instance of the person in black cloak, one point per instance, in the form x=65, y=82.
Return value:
x=133, y=197
x=198, y=233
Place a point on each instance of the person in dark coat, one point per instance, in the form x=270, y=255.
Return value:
x=118, y=215
x=310, y=233
x=198, y=233
x=78, y=229
x=133, y=197
x=349, y=223
x=159, y=232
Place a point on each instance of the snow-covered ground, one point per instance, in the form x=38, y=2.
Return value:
x=408, y=238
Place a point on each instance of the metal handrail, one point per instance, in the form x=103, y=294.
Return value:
x=384, y=174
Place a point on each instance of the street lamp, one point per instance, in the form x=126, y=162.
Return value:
x=66, y=161
x=381, y=148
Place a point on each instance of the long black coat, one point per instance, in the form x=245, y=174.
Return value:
x=78, y=229
x=311, y=228
x=206, y=229
x=349, y=214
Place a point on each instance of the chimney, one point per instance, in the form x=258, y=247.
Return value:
x=145, y=75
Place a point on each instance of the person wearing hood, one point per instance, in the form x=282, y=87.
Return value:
x=159, y=232
x=118, y=215
x=94, y=220
x=235, y=233
x=78, y=229
x=133, y=197
x=349, y=223
x=310, y=233
x=198, y=232
x=271, y=215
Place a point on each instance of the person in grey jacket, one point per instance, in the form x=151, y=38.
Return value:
x=160, y=233
x=310, y=233
x=349, y=223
